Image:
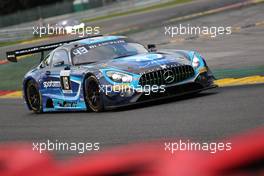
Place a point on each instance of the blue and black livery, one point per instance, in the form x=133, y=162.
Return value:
x=105, y=72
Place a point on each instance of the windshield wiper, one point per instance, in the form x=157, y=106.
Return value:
x=125, y=55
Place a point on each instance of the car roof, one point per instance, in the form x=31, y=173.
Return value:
x=98, y=39
x=89, y=41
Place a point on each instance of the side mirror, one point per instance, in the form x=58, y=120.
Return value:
x=41, y=65
x=152, y=48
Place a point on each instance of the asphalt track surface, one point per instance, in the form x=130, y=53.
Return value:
x=209, y=116
x=241, y=49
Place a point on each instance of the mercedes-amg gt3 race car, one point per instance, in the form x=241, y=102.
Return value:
x=105, y=72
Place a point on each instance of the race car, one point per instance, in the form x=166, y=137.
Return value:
x=104, y=72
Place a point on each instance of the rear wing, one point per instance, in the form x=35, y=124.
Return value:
x=12, y=55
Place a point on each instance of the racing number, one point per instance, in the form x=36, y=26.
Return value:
x=80, y=51
x=65, y=81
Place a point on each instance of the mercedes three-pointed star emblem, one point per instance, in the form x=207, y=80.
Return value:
x=168, y=76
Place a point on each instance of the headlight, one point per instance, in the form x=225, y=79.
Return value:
x=195, y=61
x=119, y=77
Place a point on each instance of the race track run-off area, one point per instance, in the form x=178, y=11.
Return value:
x=236, y=106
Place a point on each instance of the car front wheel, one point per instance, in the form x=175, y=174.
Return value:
x=93, y=97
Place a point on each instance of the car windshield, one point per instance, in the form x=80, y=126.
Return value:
x=105, y=51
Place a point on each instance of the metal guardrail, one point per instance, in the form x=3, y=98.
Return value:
x=25, y=31
x=15, y=34
x=35, y=13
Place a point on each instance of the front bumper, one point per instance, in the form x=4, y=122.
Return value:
x=201, y=82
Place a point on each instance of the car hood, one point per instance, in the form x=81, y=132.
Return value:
x=144, y=62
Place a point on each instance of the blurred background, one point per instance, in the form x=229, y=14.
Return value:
x=15, y=12
x=236, y=60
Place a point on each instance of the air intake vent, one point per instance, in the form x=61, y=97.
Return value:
x=167, y=76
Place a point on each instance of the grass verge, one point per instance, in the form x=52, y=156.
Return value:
x=10, y=43
x=239, y=72
x=12, y=73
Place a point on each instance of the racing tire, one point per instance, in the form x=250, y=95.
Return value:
x=93, y=97
x=33, y=97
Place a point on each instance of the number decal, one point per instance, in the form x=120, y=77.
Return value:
x=80, y=51
x=65, y=81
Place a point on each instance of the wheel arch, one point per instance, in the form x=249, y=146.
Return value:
x=88, y=75
x=25, y=84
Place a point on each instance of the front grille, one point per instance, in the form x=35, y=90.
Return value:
x=160, y=77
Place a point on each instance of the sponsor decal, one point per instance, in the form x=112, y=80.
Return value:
x=68, y=104
x=53, y=84
x=106, y=43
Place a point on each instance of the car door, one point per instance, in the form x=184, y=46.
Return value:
x=63, y=88
x=47, y=80
x=60, y=71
